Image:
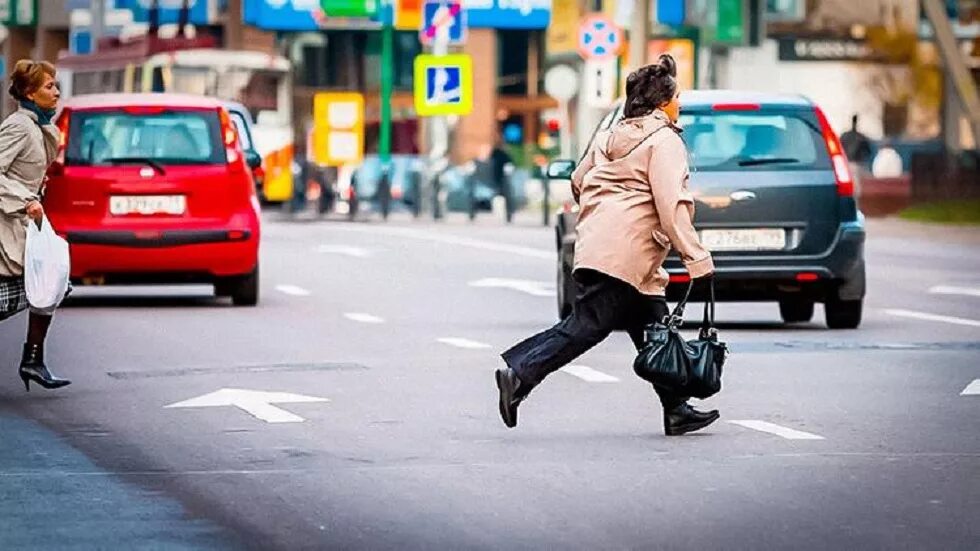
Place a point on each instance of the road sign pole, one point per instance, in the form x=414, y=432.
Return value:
x=384, y=130
x=387, y=78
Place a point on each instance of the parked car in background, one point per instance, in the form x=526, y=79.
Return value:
x=155, y=188
x=774, y=203
x=246, y=129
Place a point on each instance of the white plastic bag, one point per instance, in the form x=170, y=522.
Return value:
x=47, y=267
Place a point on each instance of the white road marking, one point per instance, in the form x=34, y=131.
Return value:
x=778, y=430
x=932, y=317
x=463, y=343
x=363, y=318
x=972, y=389
x=356, y=252
x=412, y=233
x=588, y=374
x=534, y=288
x=947, y=290
x=293, y=290
x=256, y=402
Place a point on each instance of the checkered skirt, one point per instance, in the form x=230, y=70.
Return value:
x=13, y=298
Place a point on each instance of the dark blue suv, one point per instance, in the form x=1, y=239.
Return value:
x=775, y=205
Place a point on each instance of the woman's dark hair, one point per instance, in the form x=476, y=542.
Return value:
x=647, y=88
x=28, y=77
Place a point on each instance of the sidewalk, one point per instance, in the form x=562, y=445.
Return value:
x=904, y=229
x=53, y=497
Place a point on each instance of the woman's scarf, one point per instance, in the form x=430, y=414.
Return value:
x=44, y=116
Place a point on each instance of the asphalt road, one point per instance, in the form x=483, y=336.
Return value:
x=867, y=439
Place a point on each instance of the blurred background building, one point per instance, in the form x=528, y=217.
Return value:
x=875, y=58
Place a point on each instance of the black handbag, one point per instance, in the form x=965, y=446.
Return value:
x=686, y=368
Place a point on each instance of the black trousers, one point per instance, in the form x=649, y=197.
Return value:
x=603, y=304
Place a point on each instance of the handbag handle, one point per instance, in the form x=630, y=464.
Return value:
x=708, y=322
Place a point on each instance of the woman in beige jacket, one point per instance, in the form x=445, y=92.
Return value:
x=634, y=206
x=28, y=145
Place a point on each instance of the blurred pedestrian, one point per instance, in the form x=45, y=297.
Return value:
x=631, y=187
x=856, y=145
x=28, y=144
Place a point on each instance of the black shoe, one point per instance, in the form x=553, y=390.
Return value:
x=512, y=393
x=684, y=419
x=32, y=368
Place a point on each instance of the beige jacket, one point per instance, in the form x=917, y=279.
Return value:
x=26, y=151
x=634, y=205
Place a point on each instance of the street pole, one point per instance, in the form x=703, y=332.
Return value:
x=97, y=27
x=384, y=130
x=639, y=33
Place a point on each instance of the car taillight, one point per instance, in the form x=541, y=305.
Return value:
x=680, y=278
x=842, y=171
x=64, y=124
x=229, y=137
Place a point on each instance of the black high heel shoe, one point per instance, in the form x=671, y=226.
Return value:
x=32, y=368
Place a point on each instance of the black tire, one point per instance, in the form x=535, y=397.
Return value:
x=244, y=290
x=843, y=314
x=796, y=310
x=565, y=287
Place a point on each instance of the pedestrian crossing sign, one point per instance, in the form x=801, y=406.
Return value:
x=443, y=85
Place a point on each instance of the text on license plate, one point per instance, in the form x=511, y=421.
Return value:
x=766, y=239
x=147, y=204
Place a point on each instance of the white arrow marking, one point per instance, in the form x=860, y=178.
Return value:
x=255, y=402
x=292, y=290
x=355, y=252
x=463, y=343
x=535, y=288
x=588, y=374
x=972, y=389
x=363, y=318
x=945, y=290
x=778, y=430
x=932, y=317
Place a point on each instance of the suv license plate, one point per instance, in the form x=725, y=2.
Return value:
x=121, y=205
x=744, y=240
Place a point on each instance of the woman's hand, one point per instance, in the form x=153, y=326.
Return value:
x=35, y=211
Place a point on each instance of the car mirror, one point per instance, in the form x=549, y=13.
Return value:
x=561, y=170
x=253, y=159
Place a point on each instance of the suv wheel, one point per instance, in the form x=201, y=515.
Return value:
x=244, y=290
x=843, y=314
x=566, y=291
x=796, y=310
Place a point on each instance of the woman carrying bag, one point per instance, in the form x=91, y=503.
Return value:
x=28, y=144
x=634, y=206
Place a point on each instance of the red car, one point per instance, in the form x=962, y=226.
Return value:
x=155, y=189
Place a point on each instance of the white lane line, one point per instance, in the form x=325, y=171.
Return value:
x=363, y=318
x=463, y=343
x=948, y=290
x=533, y=288
x=588, y=374
x=356, y=252
x=778, y=430
x=293, y=290
x=932, y=317
x=972, y=389
x=493, y=246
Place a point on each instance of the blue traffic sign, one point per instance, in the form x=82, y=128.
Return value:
x=443, y=85
x=443, y=18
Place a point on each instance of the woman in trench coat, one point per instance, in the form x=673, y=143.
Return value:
x=28, y=144
x=634, y=206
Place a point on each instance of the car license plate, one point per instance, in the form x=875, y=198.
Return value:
x=120, y=205
x=772, y=239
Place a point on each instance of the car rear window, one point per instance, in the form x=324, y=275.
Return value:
x=754, y=141
x=167, y=137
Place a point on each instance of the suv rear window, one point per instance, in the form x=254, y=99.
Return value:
x=166, y=137
x=754, y=141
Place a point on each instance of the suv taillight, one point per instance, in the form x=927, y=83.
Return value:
x=842, y=170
